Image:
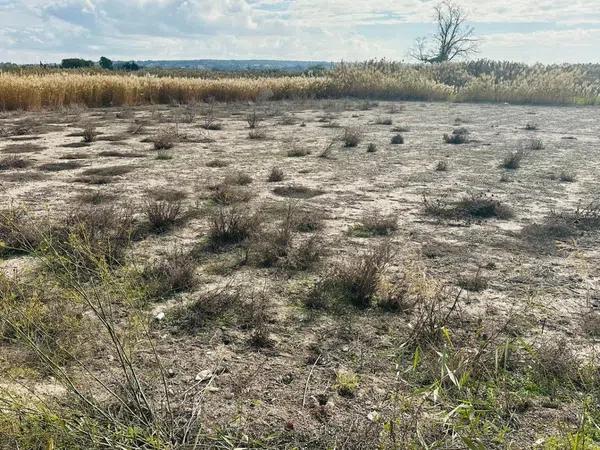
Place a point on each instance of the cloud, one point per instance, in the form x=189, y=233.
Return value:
x=47, y=30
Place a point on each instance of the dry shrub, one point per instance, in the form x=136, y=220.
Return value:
x=108, y=171
x=458, y=136
x=176, y=272
x=375, y=224
x=296, y=191
x=226, y=194
x=567, y=177
x=441, y=166
x=89, y=134
x=95, y=197
x=269, y=246
x=474, y=283
x=206, y=307
x=217, y=163
x=560, y=226
x=237, y=179
x=14, y=162
x=37, y=311
x=120, y=154
x=165, y=139
x=18, y=233
x=512, y=161
x=371, y=148
x=397, y=139
x=276, y=174
x=297, y=152
x=305, y=255
x=257, y=134
x=89, y=239
x=352, y=136
x=167, y=195
x=354, y=282
x=256, y=316
x=22, y=148
x=308, y=220
x=231, y=225
x=163, y=214
x=253, y=118
x=60, y=166
x=475, y=206
x=384, y=121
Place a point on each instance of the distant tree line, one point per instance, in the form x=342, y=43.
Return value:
x=104, y=63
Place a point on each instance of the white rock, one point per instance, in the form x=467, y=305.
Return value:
x=204, y=375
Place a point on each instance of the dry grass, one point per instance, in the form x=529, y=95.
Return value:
x=14, y=162
x=485, y=81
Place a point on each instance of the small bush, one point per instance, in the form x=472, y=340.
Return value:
x=308, y=221
x=238, y=179
x=356, y=281
x=474, y=283
x=533, y=144
x=205, y=307
x=531, y=126
x=89, y=134
x=217, y=163
x=512, y=161
x=458, y=136
x=172, y=274
x=397, y=139
x=165, y=139
x=166, y=195
x=346, y=383
x=60, y=166
x=226, y=194
x=18, y=233
x=441, y=166
x=230, y=225
x=567, y=177
x=257, y=133
x=297, y=192
x=276, y=174
x=253, y=119
x=375, y=224
x=401, y=129
x=296, y=152
x=476, y=206
x=352, y=137
x=14, y=162
x=162, y=215
x=89, y=239
x=163, y=155
x=305, y=255
x=109, y=171
x=371, y=148
x=384, y=121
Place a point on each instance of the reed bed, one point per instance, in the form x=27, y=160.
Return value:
x=479, y=81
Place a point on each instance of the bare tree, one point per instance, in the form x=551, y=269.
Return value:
x=453, y=37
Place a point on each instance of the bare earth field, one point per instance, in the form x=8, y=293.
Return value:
x=263, y=342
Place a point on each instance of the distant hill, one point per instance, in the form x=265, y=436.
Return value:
x=234, y=65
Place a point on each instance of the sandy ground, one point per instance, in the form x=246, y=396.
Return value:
x=267, y=388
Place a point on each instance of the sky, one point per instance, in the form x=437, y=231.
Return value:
x=548, y=31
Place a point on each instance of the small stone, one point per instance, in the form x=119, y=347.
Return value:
x=373, y=416
x=160, y=316
x=204, y=375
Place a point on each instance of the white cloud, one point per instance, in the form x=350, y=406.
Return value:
x=36, y=30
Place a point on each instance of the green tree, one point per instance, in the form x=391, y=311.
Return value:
x=75, y=63
x=105, y=63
